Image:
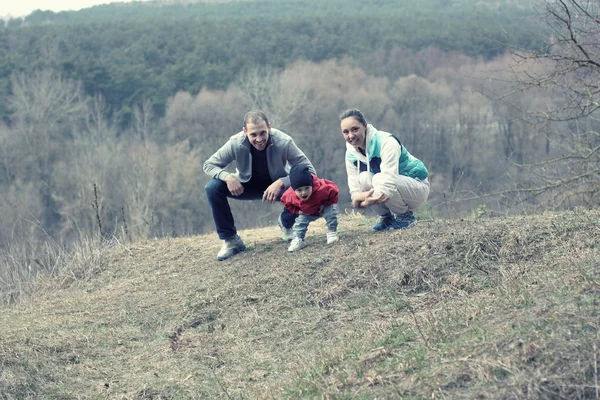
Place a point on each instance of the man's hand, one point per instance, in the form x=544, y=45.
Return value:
x=271, y=193
x=235, y=187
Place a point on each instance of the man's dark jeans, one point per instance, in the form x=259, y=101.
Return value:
x=217, y=194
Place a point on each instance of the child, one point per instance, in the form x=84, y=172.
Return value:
x=310, y=198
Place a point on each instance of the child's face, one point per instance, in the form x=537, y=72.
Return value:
x=303, y=192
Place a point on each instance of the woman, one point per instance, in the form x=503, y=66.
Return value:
x=382, y=174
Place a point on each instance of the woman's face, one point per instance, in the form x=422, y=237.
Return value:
x=354, y=132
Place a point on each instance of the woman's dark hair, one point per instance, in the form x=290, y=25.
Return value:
x=255, y=117
x=356, y=113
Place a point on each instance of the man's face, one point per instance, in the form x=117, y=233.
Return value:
x=258, y=134
x=354, y=132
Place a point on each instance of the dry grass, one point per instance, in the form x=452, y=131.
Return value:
x=490, y=309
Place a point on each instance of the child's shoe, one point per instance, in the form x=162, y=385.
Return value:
x=332, y=237
x=231, y=247
x=297, y=244
x=286, y=234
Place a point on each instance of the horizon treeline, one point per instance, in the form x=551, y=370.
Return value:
x=135, y=52
x=69, y=171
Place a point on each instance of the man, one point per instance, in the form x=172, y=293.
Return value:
x=263, y=159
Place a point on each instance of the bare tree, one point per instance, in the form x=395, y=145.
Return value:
x=567, y=69
x=45, y=109
x=91, y=158
x=279, y=95
x=143, y=119
x=45, y=112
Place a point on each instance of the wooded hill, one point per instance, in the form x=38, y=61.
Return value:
x=131, y=52
x=75, y=167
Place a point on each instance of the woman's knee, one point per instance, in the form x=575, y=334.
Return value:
x=365, y=180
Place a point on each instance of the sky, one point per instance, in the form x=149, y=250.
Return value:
x=21, y=8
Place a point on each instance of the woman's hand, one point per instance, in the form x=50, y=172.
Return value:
x=381, y=198
x=366, y=199
x=358, y=198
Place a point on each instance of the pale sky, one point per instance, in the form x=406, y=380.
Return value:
x=21, y=8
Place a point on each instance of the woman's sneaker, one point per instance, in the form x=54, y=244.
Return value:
x=385, y=223
x=332, y=237
x=297, y=244
x=406, y=220
x=231, y=247
x=286, y=234
x=389, y=222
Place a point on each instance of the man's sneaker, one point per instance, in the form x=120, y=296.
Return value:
x=332, y=237
x=286, y=234
x=385, y=223
x=297, y=244
x=230, y=248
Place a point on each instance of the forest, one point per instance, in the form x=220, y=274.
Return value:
x=136, y=52
x=107, y=114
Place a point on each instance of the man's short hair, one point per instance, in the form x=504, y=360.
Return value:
x=255, y=117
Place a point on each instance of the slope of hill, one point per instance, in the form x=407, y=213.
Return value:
x=482, y=308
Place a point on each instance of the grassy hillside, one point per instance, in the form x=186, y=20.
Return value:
x=482, y=308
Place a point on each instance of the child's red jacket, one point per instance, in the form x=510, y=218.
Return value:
x=324, y=192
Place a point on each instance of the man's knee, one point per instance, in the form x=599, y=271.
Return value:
x=213, y=187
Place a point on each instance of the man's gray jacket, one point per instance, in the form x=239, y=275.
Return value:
x=282, y=154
